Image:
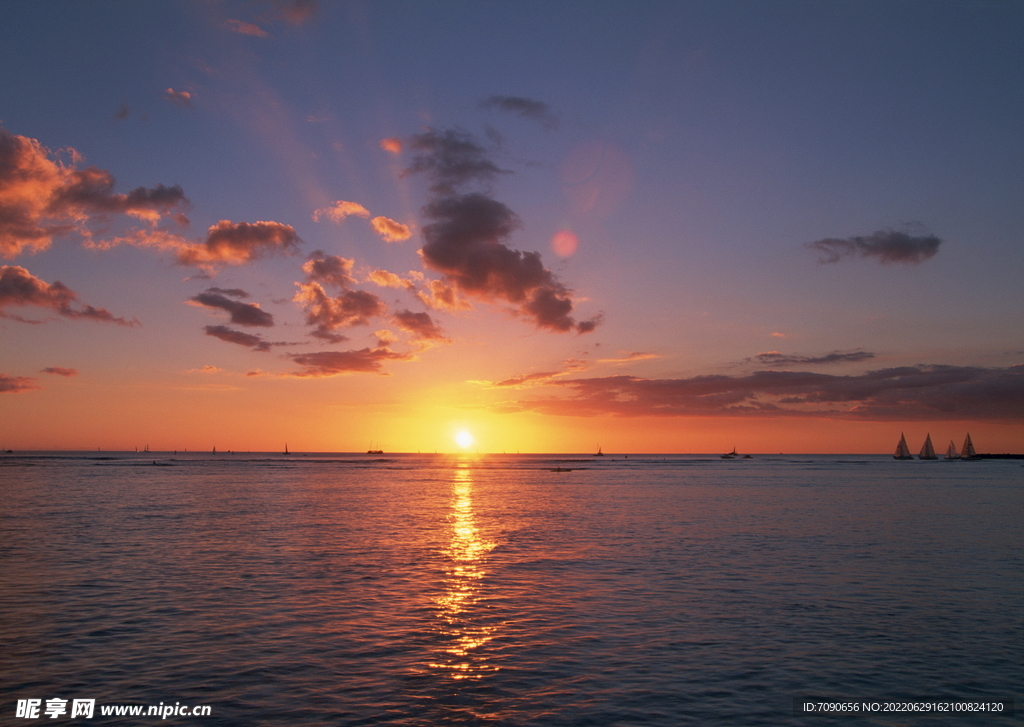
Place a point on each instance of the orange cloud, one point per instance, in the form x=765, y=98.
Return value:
x=386, y=279
x=236, y=243
x=420, y=325
x=18, y=287
x=327, y=314
x=390, y=230
x=391, y=145
x=340, y=210
x=441, y=296
x=41, y=198
x=329, y=269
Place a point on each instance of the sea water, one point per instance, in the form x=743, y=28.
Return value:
x=509, y=590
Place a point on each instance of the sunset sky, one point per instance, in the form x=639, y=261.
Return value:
x=653, y=227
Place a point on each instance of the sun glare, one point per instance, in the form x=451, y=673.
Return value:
x=464, y=439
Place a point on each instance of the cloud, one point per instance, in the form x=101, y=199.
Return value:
x=297, y=12
x=179, y=98
x=922, y=392
x=420, y=325
x=390, y=230
x=450, y=159
x=340, y=210
x=18, y=287
x=333, y=363
x=386, y=279
x=527, y=108
x=327, y=314
x=14, y=384
x=630, y=357
x=392, y=145
x=774, y=358
x=60, y=371
x=244, y=28
x=242, y=314
x=230, y=335
x=887, y=246
x=441, y=296
x=464, y=242
x=237, y=243
x=329, y=269
x=41, y=198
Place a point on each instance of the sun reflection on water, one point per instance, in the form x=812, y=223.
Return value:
x=460, y=619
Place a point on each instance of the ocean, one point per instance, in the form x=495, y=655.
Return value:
x=519, y=590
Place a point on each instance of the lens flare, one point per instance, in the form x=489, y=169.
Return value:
x=564, y=243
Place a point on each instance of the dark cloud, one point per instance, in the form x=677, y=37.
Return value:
x=420, y=325
x=887, y=246
x=41, y=198
x=464, y=244
x=327, y=315
x=450, y=159
x=60, y=371
x=333, y=363
x=230, y=335
x=527, y=108
x=233, y=292
x=18, y=287
x=923, y=392
x=329, y=270
x=242, y=314
x=775, y=358
x=237, y=243
x=14, y=384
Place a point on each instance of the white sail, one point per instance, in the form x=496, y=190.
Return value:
x=927, y=451
x=968, y=449
x=902, y=450
x=951, y=452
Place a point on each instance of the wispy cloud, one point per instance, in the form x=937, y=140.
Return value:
x=340, y=210
x=775, y=358
x=244, y=28
x=242, y=314
x=630, y=357
x=15, y=384
x=923, y=392
x=465, y=240
x=41, y=198
x=297, y=12
x=886, y=246
x=230, y=335
x=178, y=98
x=60, y=371
x=18, y=287
x=524, y=107
x=334, y=363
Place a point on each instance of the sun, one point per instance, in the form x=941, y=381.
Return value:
x=464, y=439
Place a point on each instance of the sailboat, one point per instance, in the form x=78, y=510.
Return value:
x=286, y=449
x=902, y=450
x=927, y=451
x=599, y=453
x=951, y=452
x=968, y=449
x=731, y=455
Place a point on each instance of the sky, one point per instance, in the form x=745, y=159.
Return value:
x=556, y=226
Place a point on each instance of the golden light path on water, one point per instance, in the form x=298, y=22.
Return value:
x=465, y=571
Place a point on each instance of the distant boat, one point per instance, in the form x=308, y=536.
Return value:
x=375, y=451
x=928, y=451
x=731, y=454
x=599, y=453
x=951, y=452
x=968, y=449
x=286, y=449
x=902, y=450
